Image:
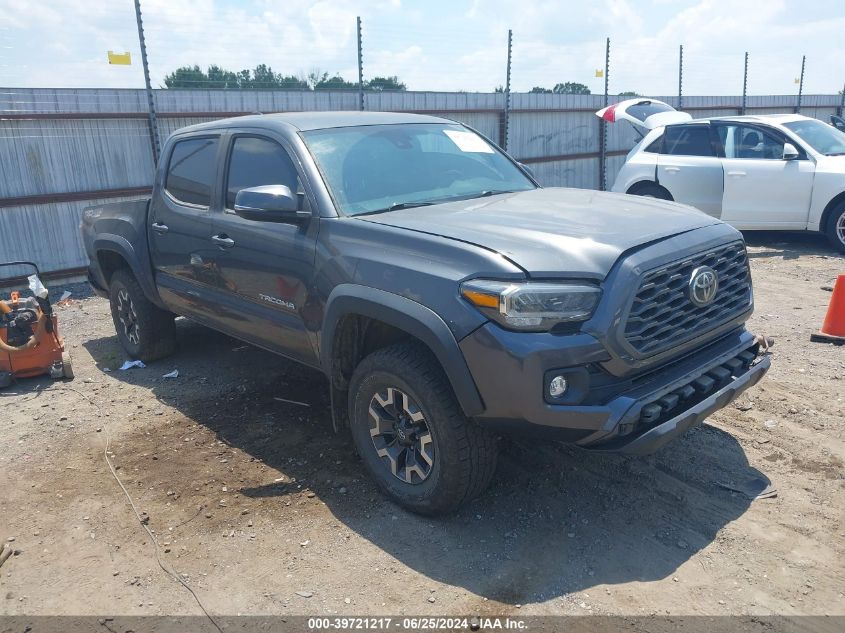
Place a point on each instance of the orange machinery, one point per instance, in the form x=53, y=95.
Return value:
x=29, y=335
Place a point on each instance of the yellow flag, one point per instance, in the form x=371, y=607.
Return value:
x=120, y=59
x=599, y=72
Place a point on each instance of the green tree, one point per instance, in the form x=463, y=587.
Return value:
x=629, y=93
x=335, y=82
x=571, y=88
x=385, y=83
x=540, y=90
x=186, y=77
x=261, y=77
x=220, y=79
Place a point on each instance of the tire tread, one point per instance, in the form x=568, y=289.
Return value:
x=477, y=449
x=158, y=329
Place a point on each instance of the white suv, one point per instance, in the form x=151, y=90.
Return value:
x=776, y=171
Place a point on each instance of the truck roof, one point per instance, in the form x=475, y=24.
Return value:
x=304, y=121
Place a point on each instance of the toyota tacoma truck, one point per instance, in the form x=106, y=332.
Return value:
x=448, y=297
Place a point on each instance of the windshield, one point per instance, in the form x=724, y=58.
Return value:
x=378, y=167
x=822, y=137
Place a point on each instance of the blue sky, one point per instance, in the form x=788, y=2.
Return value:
x=438, y=44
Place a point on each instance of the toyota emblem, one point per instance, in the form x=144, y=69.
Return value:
x=703, y=285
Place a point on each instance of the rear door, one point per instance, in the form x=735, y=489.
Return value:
x=761, y=189
x=180, y=224
x=266, y=268
x=689, y=168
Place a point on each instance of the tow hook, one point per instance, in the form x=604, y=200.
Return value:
x=765, y=342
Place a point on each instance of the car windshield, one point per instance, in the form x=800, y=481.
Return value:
x=374, y=168
x=822, y=137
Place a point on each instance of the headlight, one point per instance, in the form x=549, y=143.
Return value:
x=530, y=305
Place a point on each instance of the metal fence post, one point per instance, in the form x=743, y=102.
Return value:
x=360, y=67
x=681, y=77
x=801, y=85
x=153, y=124
x=745, y=84
x=507, y=110
x=603, y=123
x=841, y=103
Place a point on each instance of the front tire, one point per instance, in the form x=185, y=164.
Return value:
x=411, y=434
x=144, y=330
x=835, y=229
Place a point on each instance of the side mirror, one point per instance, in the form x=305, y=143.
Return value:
x=838, y=122
x=789, y=152
x=270, y=203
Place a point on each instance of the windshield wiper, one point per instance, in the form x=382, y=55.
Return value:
x=492, y=192
x=835, y=154
x=398, y=205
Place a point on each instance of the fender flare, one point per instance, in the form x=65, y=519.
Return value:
x=408, y=316
x=120, y=245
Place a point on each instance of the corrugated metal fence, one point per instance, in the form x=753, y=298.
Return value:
x=61, y=149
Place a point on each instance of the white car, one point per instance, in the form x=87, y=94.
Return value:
x=774, y=171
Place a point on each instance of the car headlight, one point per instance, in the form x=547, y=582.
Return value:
x=534, y=306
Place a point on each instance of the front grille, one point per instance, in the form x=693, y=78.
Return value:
x=662, y=315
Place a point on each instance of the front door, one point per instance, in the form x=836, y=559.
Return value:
x=689, y=168
x=180, y=226
x=265, y=268
x=762, y=190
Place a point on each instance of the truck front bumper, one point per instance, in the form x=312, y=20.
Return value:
x=635, y=415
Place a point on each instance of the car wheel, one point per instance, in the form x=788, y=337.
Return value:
x=411, y=434
x=144, y=330
x=835, y=229
x=651, y=190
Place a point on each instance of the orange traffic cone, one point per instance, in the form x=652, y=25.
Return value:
x=833, y=330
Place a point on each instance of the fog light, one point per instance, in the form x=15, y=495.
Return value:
x=557, y=386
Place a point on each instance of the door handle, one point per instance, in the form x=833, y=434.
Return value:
x=673, y=169
x=222, y=241
x=160, y=228
x=737, y=174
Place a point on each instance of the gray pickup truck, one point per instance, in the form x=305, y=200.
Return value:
x=447, y=297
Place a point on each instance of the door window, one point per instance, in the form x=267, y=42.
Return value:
x=255, y=162
x=190, y=171
x=744, y=141
x=688, y=140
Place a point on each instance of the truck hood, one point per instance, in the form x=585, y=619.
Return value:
x=553, y=232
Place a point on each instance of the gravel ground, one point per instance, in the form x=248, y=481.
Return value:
x=260, y=508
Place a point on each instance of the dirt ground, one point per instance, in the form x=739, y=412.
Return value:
x=262, y=509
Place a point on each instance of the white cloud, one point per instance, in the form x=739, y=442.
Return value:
x=440, y=44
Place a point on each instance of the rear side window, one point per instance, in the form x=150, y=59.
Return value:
x=255, y=162
x=654, y=146
x=688, y=140
x=190, y=172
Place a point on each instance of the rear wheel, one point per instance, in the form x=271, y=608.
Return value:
x=412, y=435
x=835, y=229
x=650, y=190
x=144, y=330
